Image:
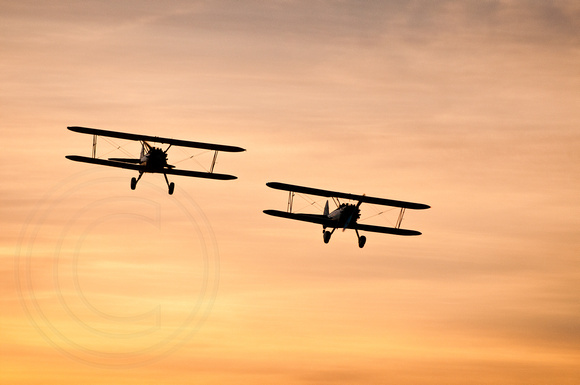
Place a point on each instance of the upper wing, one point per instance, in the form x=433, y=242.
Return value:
x=175, y=142
x=313, y=218
x=360, y=198
x=140, y=168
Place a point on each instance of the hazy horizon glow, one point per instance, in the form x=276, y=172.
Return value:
x=471, y=107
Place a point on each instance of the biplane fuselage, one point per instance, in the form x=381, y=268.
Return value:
x=154, y=159
x=344, y=213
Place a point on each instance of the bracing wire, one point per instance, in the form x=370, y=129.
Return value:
x=194, y=156
x=117, y=147
x=310, y=202
x=377, y=212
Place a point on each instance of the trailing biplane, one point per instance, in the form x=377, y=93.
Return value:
x=346, y=215
x=152, y=159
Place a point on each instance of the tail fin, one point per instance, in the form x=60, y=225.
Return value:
x=326, y=211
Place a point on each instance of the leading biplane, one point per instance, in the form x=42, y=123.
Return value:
x=346, y=215
x=152, y=159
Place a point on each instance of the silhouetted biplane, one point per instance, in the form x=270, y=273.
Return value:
x=152, y=159
x=346, y=215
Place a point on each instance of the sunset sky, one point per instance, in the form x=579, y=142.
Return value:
x=471, y=107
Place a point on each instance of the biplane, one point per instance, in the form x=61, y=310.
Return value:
x=152, y=159
x=346, y=215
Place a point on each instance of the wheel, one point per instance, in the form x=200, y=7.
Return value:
x=133, y=183
x=361, y=241
x=171, y=188
x=326, y=236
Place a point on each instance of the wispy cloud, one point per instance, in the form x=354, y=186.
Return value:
x=470, y=107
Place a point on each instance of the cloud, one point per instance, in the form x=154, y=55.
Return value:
x=470, y=107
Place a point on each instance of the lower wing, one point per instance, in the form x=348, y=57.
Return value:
x=325, y=221
x=384, y=230
x=196, y=174
x=141, y=168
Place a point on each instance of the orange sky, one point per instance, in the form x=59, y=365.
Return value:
x=470, y=107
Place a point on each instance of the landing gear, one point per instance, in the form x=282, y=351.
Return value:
x=171, y=185
x=326, y=235
x=361, y=239
x=135, y=180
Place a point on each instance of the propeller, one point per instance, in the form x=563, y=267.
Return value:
x=353, y=213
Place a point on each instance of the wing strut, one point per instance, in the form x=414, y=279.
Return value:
x=94, y=146
x=400, y=219
x=290, y=201
x=213, y=161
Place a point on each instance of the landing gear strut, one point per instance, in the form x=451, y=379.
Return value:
x=135, y=180
x=171, y=185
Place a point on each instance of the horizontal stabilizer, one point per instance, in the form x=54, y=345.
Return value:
x=105, y=162
x=126, y=160
x=312, y=218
